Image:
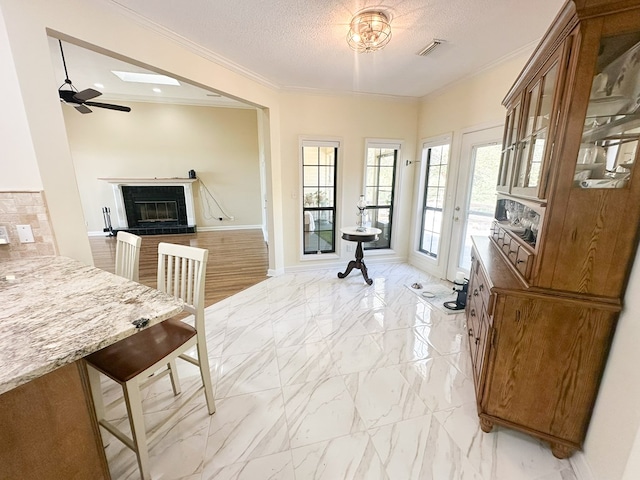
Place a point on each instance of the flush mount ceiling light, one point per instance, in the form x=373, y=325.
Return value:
x=369, y=31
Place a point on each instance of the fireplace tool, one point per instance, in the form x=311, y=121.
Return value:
x=106, y=215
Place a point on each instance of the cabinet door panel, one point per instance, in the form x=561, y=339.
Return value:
x=533, y=149
x=546, y=364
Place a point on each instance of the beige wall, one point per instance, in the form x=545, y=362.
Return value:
x=351, y=119
x=616, y=419
x=156, y=140
x=17, y=158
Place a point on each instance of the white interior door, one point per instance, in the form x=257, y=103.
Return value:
x=475, y=197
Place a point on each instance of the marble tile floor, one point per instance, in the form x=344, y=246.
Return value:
x=324, y=378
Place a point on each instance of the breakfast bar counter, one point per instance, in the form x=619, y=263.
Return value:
x=53, y=312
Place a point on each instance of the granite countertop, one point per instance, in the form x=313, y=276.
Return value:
x=55, y=310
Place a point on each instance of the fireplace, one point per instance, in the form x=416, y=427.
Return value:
x=154, y=206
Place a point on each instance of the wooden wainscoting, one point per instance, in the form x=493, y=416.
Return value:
x=238, y=259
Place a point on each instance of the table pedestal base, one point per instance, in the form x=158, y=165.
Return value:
x=358, y=263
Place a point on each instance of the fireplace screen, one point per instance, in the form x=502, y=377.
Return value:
x=152, y=212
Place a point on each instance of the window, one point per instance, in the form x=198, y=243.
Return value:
x=379, y=183
x=435, y=159
x=319, y=167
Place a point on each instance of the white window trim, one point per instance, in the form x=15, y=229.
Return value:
x=319, y=141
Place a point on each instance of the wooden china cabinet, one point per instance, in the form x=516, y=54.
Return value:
x=546, y=288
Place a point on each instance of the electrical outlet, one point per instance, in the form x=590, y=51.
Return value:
x=25, y=234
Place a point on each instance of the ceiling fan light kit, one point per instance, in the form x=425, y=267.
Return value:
x=369, y=31
x=70, y=95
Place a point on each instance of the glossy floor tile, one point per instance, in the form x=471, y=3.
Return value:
x=323, y=378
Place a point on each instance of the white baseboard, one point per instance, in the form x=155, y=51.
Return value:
x=581, y=466
x=230, y=227
x=97, y=234
x=199, y=229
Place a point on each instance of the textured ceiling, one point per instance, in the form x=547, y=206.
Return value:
x=301, y=44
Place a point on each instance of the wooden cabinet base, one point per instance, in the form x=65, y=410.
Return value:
x=561, y=451
x=47, y=430
x=486, y=425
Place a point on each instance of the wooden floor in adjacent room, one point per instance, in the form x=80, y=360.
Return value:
x=238, y=259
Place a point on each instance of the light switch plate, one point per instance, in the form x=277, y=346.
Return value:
x=25, y=234
x=4, y=236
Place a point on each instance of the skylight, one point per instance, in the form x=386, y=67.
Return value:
x=153, y=78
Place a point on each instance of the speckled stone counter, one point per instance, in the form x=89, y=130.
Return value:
x=55, y=310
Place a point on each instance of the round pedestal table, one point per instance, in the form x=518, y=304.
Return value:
x=359, y=235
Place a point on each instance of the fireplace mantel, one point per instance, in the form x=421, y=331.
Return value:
x=118, y=183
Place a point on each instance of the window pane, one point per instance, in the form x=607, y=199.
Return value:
x=372, y=176
x=384, y=196
x=326, y=156
x=319, y=231
x=326, y=176
x=386, y=177
x=387, y=157
x=310, y=155
x=372, y=156
x=310, y=175
x=380, y=218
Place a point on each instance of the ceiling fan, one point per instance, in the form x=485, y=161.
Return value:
x=80, y=100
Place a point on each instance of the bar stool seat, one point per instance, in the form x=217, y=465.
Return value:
x=128, y=358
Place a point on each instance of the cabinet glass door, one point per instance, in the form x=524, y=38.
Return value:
x=533, y=146
x=612, y=124
x=508, y=153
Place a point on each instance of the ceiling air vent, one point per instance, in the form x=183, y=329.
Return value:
x=429, y=48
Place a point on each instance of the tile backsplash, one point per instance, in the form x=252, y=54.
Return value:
x=26, y=208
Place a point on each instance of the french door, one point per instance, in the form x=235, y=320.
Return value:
x=475, y=195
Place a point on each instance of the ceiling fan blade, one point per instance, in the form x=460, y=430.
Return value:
x=82, y=109
x=109, y=106
x=87, y=94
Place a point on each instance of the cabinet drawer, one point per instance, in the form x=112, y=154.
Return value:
x=506, y=244
x=479, y=289
x=481, y=342
x=523, y=261
x=513, y=252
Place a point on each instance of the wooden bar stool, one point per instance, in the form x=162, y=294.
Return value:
x=128, y=255
x=141, y=359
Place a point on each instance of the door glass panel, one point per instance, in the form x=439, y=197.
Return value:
x=546, y=101
x=482, y=199
x=533, y=109
x=536, y=159
x=524, y=164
